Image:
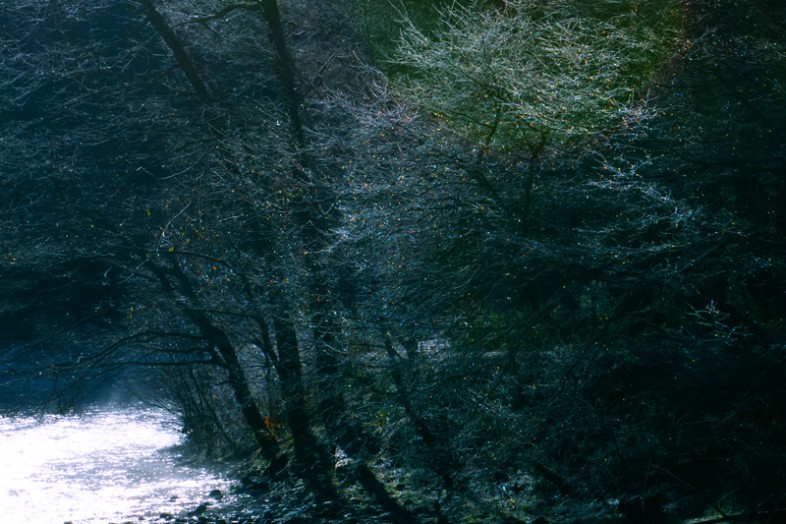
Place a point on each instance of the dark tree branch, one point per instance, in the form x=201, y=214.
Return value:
x=178, y=49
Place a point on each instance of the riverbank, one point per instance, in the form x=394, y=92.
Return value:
x=255, y=498
x=267, y=512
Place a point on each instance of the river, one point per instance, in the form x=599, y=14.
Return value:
x=109, y=464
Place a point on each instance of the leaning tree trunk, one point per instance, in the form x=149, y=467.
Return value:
x=314, y=222
x=221, y=345
x=346, y=433
x=443, y=462
x=311, y=457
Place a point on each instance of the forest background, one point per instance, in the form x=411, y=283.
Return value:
x=466, y=261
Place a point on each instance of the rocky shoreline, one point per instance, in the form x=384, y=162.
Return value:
x=248, y=510
x=214, y=511
x=222, y=516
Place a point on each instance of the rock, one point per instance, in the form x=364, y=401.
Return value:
x=216, y=494
x=200, y=509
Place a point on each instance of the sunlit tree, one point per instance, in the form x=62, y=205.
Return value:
x=526, y=74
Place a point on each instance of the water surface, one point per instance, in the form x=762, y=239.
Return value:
x=107, y=465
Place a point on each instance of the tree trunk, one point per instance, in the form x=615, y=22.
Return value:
x=347, y=433
x=218, y=340
x=285, y=68
x=310, y=456
x=444, y=465
x=178, y=50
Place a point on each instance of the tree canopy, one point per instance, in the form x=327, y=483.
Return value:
x=525, y=72
x=524, y=259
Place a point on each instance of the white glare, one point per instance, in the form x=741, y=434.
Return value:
x=104, y=466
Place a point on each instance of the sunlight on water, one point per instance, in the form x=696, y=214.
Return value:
x=106, y=465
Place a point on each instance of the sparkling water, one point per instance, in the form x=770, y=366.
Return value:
x=105, y=465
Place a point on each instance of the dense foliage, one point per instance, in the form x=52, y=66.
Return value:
x=463, y=261
x=529, y=72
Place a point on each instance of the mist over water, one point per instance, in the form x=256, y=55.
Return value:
x=109, y=464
